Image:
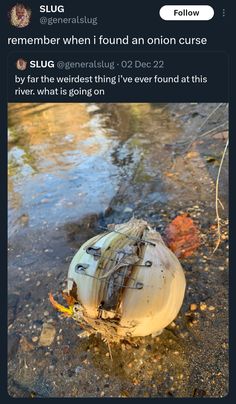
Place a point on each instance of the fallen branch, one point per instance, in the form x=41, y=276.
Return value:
x=217, y=200
x=210, y=115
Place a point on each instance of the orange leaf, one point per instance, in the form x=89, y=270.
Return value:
x=182, y=236
x=66, y=311
x=70, y=300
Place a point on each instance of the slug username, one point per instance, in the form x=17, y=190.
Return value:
x=68, y=20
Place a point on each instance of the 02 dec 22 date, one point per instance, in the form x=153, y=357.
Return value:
x=142, y=64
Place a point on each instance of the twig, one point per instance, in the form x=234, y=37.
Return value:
x=109, y=348
x=209, y=116
x=182, y=142
x=214, y=130
x=217, y=200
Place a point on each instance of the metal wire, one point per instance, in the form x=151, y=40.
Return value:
x=99, y=254
x=129, y=237
x=138, y=286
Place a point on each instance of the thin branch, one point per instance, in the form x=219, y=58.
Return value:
x=209, y=116
x=109, y=348
x=214, y=130
x=217, y=197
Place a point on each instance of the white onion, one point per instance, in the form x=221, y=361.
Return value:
x=127, y=282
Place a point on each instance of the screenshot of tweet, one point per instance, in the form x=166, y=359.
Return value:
x=116, y=262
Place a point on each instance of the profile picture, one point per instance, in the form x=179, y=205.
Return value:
x=21, y=64
x=20, y=15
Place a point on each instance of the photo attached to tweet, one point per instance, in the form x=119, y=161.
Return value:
x=116, y=256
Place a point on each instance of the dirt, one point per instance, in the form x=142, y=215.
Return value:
x=75, y=168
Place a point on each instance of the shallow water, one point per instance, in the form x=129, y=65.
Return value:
x=69, y=160
x=75, y=167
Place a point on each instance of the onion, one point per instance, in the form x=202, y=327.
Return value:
x=126, y=282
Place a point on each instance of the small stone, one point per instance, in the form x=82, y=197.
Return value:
x=211, y=308
x=46, y=313
x=193, y=306
x=176, y=352
x=203, y=306
x=35, y=338
x=47, y=335
x=38, y=283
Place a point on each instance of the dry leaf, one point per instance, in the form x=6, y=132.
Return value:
x=182, y=236
x=221, y=135
x=65, y=310
x=70, y=300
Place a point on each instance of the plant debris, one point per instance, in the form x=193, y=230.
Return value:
x=182, y=236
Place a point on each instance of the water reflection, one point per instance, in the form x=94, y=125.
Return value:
x=59, y=162
x=67, y=161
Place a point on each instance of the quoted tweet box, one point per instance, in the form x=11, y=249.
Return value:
x=108, y=77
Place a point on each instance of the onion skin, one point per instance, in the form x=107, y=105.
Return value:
x=132, y=288
x=158, y=303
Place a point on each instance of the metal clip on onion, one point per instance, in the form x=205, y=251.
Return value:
x=126, y=282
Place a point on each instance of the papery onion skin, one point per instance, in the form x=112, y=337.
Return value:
x=149, y=297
